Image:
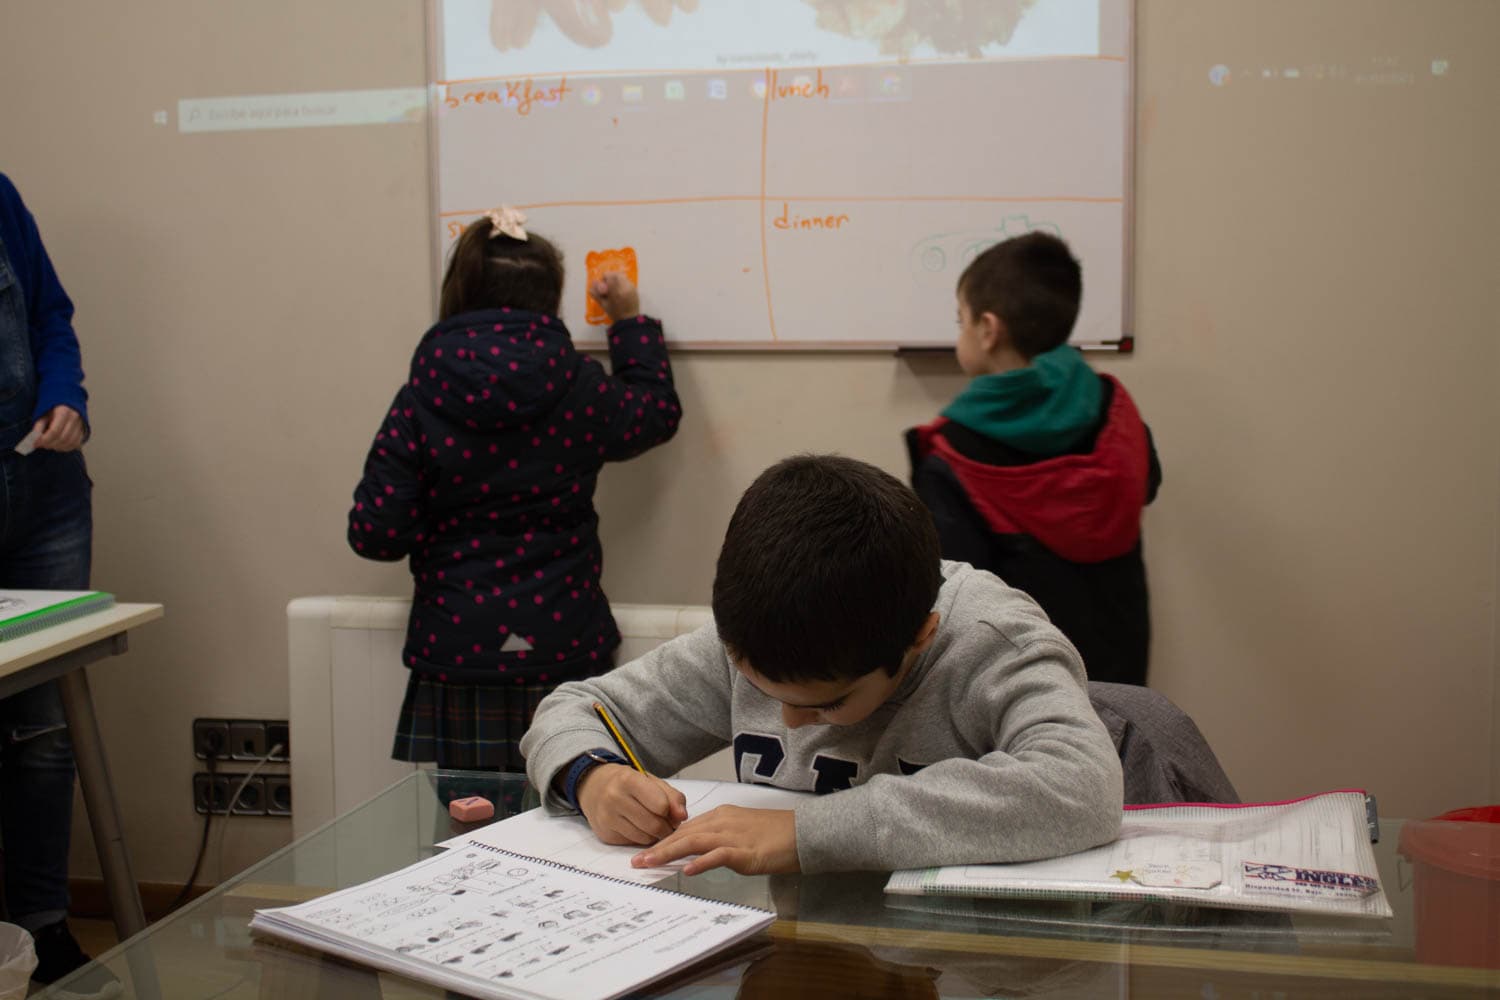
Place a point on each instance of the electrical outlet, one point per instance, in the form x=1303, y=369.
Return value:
x=241, y=739
x=262, y=795
x=203, y=792
x=211, y=739
x=278, y=794
x=211, y=792
x=247, y=739
x=279, y=733
x=252, y=800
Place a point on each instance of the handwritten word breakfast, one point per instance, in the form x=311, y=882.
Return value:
x=521, y=95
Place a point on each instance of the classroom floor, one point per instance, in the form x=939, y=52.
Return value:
x=95, y=937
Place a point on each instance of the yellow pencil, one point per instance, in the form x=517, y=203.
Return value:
x=620, y=739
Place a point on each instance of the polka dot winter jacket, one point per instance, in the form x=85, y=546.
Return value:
x=483, y=474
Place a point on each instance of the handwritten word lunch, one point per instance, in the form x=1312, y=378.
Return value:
x=522, y=95
x=802, y=85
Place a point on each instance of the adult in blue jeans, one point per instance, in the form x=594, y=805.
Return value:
x=46, y=533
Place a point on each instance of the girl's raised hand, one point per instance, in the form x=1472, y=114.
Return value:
x=617, y=294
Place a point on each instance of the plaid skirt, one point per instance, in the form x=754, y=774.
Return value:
x=470, y=727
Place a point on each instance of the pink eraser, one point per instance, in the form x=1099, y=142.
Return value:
x=471, y=810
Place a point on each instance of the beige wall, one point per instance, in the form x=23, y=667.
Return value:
x=1317, y=359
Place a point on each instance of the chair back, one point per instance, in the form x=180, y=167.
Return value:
x=1164, y=756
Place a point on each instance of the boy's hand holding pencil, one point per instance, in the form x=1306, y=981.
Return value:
x=626, y=805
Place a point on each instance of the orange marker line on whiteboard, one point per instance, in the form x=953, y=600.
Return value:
x=765, y=257
x=995, y=199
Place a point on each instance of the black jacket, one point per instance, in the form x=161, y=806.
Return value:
x=484, y=472
x=1064, y=528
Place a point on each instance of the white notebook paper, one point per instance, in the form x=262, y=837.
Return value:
x=1308, y=854
x=567, y=839
x=492, y=924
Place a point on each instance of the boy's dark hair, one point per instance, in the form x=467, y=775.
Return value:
x=828, y=570
x=1033, y=283
x=489, y=271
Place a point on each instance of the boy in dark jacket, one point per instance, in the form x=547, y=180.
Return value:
x=1038, y=471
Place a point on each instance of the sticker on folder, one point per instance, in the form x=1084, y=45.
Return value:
x=1182, y=874
x=1271, y=880
x=602, y=262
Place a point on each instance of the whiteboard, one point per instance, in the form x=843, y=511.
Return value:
x=792, y=173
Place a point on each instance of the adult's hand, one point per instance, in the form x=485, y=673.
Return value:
x=62, y=429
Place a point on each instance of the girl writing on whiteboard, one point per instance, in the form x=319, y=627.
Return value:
x=483, y=476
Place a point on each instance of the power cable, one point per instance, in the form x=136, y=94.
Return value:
x=234, y=801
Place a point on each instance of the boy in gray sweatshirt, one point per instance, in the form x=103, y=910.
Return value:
x=936, y=712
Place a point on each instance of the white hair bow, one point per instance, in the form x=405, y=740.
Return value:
x=507, y=220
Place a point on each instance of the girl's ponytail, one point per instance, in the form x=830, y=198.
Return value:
x=488, y=269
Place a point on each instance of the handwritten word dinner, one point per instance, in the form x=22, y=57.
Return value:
x=522, y=95
x=789, y=220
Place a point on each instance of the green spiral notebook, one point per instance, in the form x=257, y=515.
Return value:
x=25, y=611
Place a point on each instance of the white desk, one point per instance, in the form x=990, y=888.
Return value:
x=61, y=652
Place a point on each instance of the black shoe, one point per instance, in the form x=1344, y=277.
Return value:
x=58, y=956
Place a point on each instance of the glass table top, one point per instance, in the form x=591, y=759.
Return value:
x=836, y=935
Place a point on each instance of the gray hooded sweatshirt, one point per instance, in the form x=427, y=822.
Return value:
x=989, y=750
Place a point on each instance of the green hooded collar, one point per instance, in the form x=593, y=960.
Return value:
x=1046, y=408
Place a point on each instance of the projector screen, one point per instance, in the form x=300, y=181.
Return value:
x=792, y=173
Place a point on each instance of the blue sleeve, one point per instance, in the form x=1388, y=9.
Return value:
x=54, y=345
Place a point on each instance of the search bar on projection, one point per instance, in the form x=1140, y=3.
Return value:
x=308, y=110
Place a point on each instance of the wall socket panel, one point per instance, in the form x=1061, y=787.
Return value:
x=241, y=739
x=278, y=794
x=263, y=795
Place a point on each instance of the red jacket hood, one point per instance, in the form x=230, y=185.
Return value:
x=1085, y=508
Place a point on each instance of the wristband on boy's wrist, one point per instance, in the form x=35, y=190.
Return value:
x=581, y=766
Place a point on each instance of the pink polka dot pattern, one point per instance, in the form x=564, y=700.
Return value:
x=505, y=429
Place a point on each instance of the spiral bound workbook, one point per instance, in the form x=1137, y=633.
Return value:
x=1309, y=854
x=25, y=611
x=482, y=921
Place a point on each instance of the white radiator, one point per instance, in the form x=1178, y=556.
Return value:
x=347, y=682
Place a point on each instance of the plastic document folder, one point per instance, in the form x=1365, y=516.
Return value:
x=1311, y=854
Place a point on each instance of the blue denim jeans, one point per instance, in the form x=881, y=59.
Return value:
x=46, y=536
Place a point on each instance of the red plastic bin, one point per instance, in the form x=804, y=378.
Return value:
x=1456, y=885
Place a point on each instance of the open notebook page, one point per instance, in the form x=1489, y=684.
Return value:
x=490, y=924
x=568, y=840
